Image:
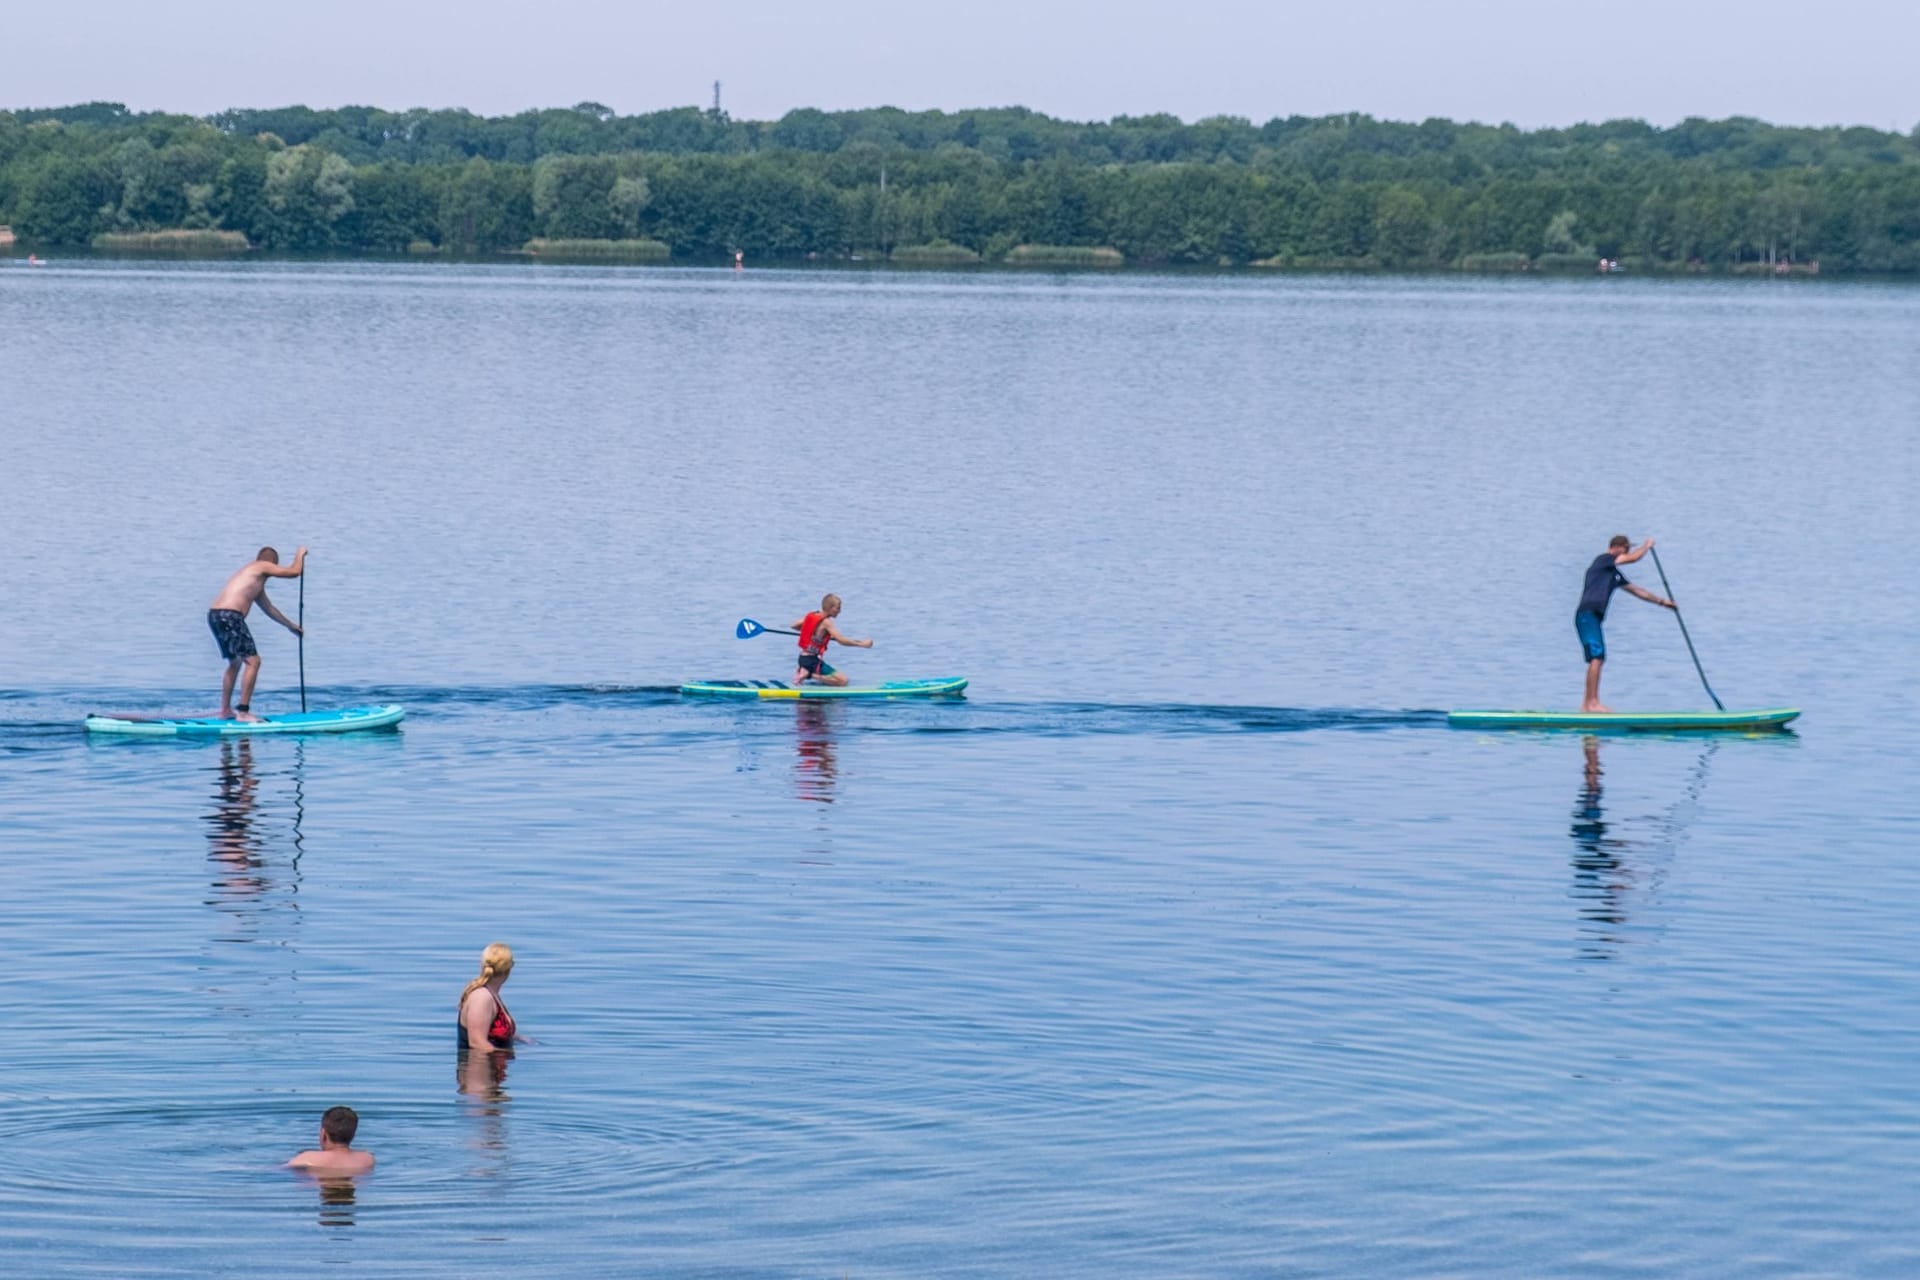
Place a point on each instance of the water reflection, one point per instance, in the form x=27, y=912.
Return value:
x=336, y=1201
x=242, y=838
x=482, y=1080
x=1612, y=870
x=232, y=843
x=1601, y=875
x=814, y=768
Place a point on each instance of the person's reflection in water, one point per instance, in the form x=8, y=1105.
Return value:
x=482, y=1080
x=483, y=1076
x=336, y=1202
x=1601, y=878
x=232, y=842
x=240, y=840
x=814, y=768
x=1612, y=873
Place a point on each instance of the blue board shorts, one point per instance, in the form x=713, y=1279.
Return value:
x=816, y=666
x=1592, y=643
x=230, y=632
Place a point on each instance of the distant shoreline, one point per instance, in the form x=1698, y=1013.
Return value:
x=18, y=253
x=1341, y=193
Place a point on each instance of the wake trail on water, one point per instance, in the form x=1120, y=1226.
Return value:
x=934, y=715
x=58, y=713
x=1073, y=719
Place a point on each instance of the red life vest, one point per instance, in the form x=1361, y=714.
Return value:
x=808, y=626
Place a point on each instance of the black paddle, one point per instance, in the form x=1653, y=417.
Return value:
x=748, y=629
x=301, y=622
x=1683, y=631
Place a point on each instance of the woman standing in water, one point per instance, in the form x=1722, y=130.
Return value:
x=484, y=1023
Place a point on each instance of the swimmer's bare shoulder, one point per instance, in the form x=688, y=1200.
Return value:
x=338, y=1162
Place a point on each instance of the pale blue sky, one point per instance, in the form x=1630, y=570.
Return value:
x=1845, y=62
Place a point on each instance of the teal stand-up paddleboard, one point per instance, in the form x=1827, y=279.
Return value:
x=1626, y=721
x=1719, y=719
x=945, y=687
x=343, y=721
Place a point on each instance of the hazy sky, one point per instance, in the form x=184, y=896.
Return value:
x=1844, y=62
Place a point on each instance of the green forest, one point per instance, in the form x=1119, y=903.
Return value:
x=1004, y=185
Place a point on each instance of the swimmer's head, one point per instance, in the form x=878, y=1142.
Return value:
x=269, y=555
x=830, y=604
x=339, y=1125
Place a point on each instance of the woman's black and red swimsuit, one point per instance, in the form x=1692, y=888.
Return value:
x=499, y=1031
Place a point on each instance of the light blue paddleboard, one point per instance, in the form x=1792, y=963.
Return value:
x=1625, y=721
x=346, y=720
x=945, y=687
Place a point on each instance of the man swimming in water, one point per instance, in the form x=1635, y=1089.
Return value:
x=816, y=632
x=228, y=621
x=336, y=1156
x=1603, y=578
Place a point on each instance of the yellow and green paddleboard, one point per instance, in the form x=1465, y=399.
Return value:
x=944, y=687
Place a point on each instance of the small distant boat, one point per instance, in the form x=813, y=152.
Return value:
x=346, y=720
x=944, y=687
x=1627, y=721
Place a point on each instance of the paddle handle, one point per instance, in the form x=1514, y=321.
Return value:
x=1667, y=587
x=301, y=621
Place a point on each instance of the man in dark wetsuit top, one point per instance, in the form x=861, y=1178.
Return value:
x=227, y=619
x=1603, y=578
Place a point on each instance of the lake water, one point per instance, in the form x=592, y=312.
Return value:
x=1191, y=942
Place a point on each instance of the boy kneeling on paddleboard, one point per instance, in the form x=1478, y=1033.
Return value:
x=816, y=632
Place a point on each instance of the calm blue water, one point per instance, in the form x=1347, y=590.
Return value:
x=1191, y=942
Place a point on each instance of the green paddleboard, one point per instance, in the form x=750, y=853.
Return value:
x=1626, y=721
x=944, y=687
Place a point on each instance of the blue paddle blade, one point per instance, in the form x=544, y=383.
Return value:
x=748, y=629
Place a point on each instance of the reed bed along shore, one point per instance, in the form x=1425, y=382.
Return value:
x=599, y=250
x=1064, y=255
x=172, y=240
x=939, y=253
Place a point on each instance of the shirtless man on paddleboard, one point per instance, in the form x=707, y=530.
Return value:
x=816, y=632
x=227, y=619
x=1603, y=578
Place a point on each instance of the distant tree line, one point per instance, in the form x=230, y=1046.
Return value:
x=1334, y=190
